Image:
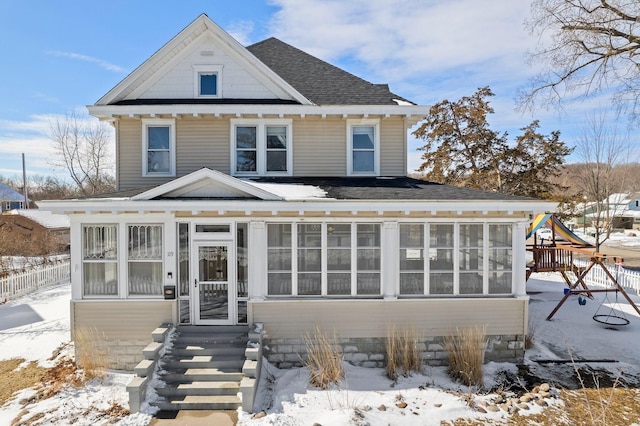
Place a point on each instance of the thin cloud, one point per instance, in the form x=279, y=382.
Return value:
x=77, y=56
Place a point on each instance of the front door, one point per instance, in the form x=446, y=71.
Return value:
x=214, y=285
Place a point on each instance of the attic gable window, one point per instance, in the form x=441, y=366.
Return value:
x=158, y=147
x=206, y=81
x=261, y=147
x=363, y=147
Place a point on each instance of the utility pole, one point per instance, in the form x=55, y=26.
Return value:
x=24, y=183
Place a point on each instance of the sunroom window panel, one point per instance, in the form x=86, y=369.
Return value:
x=368, y=283
x=441, y=242
x=99, y=252
x=368, y=259
x=309, y=284
x=145, y=259
x=279, y=260
x=338, y=259
x=471, y=282
x=500, y=282
x=441, y=283
x=411, y=283
x=339, y=284
x=279, y=283
x=500, y=259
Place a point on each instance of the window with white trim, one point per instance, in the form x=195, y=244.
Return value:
x=207, y=81
x=144, y=259
x=480, y=262
x=100, y=260
x=323, y=259
x=158, y=147
x=363, y=147
x=261, y=147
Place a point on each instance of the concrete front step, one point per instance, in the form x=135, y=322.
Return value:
x=189, y=350
x=206, y=361
x=200, y=388
x=202, y=375
x=200, y=402
x=211, y=339
x=239, y=329
x=203, y=369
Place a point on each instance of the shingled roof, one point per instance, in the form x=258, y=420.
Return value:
x=319, y=81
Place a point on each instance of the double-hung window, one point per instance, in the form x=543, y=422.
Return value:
x=158, y=147
x=261, y=147
x=100, y=260
x=363, y=147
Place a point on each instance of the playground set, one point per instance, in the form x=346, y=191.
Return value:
x=563, y=253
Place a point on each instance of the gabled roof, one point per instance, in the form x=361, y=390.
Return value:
x=207, y=183
x=8, y=194
x=164, y=58
x=319, y=81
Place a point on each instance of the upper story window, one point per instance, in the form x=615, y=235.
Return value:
x=363, y=147
x=206, y=81
x=158, y=147
x=261, y=147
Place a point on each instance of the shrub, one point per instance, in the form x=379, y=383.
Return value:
x=466, y=349
x=89, y=356
x=402, y=352
x=324, y=359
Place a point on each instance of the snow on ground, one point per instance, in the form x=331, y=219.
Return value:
x=33, y=326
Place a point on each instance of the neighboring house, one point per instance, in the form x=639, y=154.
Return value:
x=270, y=187
x=42, y=231
x=10, y=199
x=621, y=210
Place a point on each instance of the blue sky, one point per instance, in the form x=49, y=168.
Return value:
x=58, y=56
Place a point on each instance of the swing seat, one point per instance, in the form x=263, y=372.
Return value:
x=611, y=320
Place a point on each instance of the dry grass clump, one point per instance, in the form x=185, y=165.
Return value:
x=89, y=356
x=466, y=349
x=324, y=359
x=403, y=356
x=13, y=379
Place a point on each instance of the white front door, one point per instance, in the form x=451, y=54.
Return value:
x=214, y=291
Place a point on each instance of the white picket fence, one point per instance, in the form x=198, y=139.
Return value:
x=26, y=281
x=627, y=278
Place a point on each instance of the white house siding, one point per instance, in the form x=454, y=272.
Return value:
x=203, y=143
x=123, y=328
x=319, y=148
x=178, y=82
x=393, y=147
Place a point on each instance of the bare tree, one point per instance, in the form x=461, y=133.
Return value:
x=604, y=153
x=82, y=148
x=586, y=47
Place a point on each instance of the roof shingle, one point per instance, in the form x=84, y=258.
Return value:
x=319, y=81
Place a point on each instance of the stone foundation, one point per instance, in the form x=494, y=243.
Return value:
x=370, y=352
x=122, y=354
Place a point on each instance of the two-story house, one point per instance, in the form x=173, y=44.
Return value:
x=269, y=186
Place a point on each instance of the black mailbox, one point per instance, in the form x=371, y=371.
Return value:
x=169, y=291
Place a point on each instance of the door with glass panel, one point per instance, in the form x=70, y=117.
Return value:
x=214, y=283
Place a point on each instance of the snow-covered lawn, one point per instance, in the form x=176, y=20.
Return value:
x=35, y=326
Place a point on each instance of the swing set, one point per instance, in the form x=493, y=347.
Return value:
x=560, y=256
